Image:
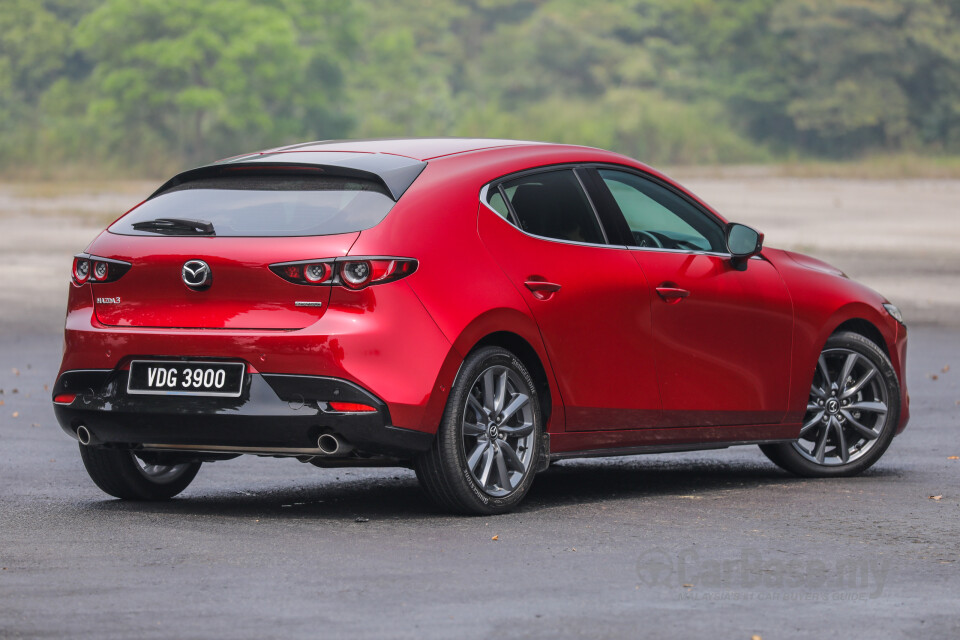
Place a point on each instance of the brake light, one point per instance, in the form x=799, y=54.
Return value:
x=353, y=273
x=65, y=398
x=97, y=269
x=350, y=407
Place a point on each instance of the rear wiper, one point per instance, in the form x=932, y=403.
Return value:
x=176, y=226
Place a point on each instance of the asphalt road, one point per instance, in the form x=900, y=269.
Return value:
x=719, y=544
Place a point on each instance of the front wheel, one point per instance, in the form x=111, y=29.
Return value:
x=852, y=412
x=123, y=474
x=487, y=447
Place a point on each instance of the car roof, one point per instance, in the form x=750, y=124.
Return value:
x=396, y=162
x=421, y=149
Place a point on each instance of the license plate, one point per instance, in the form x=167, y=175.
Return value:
x=180, y=378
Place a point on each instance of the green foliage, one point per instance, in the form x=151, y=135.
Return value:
x=139, y=85
x=832, y=77
x=179, y=82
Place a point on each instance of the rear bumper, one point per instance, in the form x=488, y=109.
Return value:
x=397, y=352
x=274, y=412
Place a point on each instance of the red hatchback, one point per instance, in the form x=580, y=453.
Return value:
x=473, y=309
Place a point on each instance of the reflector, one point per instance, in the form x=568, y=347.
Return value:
x=351, y=407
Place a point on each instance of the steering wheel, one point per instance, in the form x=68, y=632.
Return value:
x=686, y=244
x=647, y=239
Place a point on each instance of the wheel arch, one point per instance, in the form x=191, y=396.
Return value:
x=866, y=329
x=861, y=318
x=517, y=345
x=515, y=331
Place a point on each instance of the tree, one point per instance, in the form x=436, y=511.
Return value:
x=204, y=78
x=156, y=84
x=32, y=55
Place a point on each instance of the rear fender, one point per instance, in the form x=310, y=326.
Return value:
x=518, y=323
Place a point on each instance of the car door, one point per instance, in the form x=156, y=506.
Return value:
x=722, y=334
x=588, y=297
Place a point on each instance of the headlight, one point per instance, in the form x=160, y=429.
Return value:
x=894, y=312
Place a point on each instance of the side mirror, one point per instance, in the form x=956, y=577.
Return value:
x=743, y=242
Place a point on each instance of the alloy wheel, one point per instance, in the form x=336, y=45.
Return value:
x=847, y=409
x=498, y=431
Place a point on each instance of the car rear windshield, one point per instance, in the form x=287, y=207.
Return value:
x=266, y=205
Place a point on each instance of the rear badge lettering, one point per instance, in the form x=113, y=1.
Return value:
x=305, y=303
x=108, y=300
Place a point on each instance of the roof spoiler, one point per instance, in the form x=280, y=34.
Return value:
x=396, y=173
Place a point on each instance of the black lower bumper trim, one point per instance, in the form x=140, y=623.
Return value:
x=273, y=412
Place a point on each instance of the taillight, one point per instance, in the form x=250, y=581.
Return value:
x=100, y=271
x=81, y=270
x=356, y=274
x=312, y=272
x=353, y=273
x=316, y=272
x=97, y=269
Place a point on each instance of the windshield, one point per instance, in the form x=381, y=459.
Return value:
x=264, y=205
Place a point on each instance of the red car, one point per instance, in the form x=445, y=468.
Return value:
x=473, y=309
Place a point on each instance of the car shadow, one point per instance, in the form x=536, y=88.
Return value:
x=579, y=481
x=399, y=496
x=585, y=481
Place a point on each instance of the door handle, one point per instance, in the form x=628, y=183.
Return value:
x=540, y=285
x=672, y=293
x=541, y=289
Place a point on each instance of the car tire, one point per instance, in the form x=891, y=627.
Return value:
x=488, y=445
x=121, y=474
x=837, y=390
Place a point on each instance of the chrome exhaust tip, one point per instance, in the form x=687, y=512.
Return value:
x=329, y=444
x=84, y=435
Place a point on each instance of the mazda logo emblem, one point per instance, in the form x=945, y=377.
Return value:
x=196, y=274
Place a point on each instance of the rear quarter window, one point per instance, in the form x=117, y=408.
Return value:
x=266, y=205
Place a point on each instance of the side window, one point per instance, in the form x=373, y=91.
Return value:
x=553, y=205
x=658, y=217
x=497, y=204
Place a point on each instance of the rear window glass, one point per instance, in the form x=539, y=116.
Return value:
x=267, y=205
